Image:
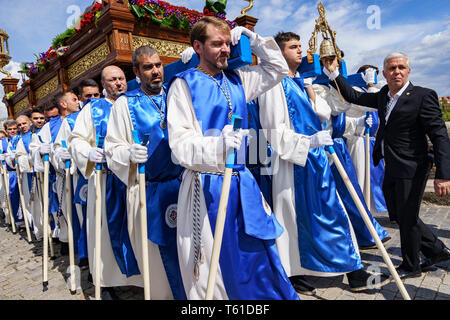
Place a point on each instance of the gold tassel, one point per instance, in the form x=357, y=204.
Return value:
x=196, y=272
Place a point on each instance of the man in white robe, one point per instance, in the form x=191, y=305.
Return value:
x=25, y=168
x=85, y=153
x=198, y=142
x=136, y=110
x=67, y=103
x=87, y=89
x=278, y=110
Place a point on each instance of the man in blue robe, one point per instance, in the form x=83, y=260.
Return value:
x=201, y=102
x=320, y=240
x=118, y=264
x=143, y=110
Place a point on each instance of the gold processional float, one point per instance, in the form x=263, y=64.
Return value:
x=106, y=33
x=110, y=30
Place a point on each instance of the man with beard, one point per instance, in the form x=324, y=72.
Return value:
x=117, y=262
x=144, y=110
x=201, y=102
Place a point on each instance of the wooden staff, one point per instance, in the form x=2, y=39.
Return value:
x=39, y=190
x=73, y=288
x=98, y=220
x=8, y=198
x=143, y=216
x=22, y=200
x=236, y=122
x=367, y=162
x=45, y=225
x=367, y=221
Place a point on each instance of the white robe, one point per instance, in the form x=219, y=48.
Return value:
x=60, y=230
x=64, y=134
x=290, y=148
x=82, y=139
x=196, y=152
x=117, y=142
x=33, y=209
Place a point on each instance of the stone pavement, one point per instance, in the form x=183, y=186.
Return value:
x=21, y=270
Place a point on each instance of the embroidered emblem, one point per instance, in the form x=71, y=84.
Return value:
x=83, y=193
x=171, y=216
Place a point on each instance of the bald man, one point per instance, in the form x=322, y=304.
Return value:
x=118, y=263
x=19, y=151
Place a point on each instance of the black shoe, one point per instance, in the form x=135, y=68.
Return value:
x=430, y=262
x=83, y=264
x=109, y=294
x=64, y=249
x=301, y=285
x=361, y=280
x=22, y=229
x=403, y=273
x=385, y=241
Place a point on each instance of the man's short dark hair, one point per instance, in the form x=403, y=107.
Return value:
x=9, y=123
x=87, y=83
x=37, y=110
x=367, y=66
x=59, y=97
x=146, y=51
x=282, y=37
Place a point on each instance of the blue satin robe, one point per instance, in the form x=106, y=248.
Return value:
x=362, y=233
x=249, y=260
x=324, y=232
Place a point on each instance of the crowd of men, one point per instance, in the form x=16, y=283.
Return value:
x=299, y=220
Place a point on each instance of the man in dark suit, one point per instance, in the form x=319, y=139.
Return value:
x=407, y=114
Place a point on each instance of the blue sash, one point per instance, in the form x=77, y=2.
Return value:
x=163, y=182
x=249, y=261
x=13, y=187
x=116, y=197
x=71, y=118
x=323, y=229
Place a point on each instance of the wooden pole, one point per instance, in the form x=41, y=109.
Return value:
x=143, y=216
x=8, y=198
x=22, y=201
x=221, y=214
x=73, y=288
x=45, y=226
x=98, y=221
x=368, y=223
x=367, y=163
x=40, y=193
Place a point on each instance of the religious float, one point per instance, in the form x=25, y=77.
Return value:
x=106, y=33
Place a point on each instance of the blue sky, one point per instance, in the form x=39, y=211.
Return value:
x=418, y=28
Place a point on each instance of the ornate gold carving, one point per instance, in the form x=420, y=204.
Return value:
x=48, y=87
x=90, y=60
x=248, y=8
x=22, y=104
x=164, y=47
x=323, y=27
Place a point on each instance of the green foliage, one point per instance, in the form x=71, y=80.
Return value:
x=445, y=111
x=61, y=38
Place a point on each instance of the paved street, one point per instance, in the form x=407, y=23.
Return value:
x=21, y=275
